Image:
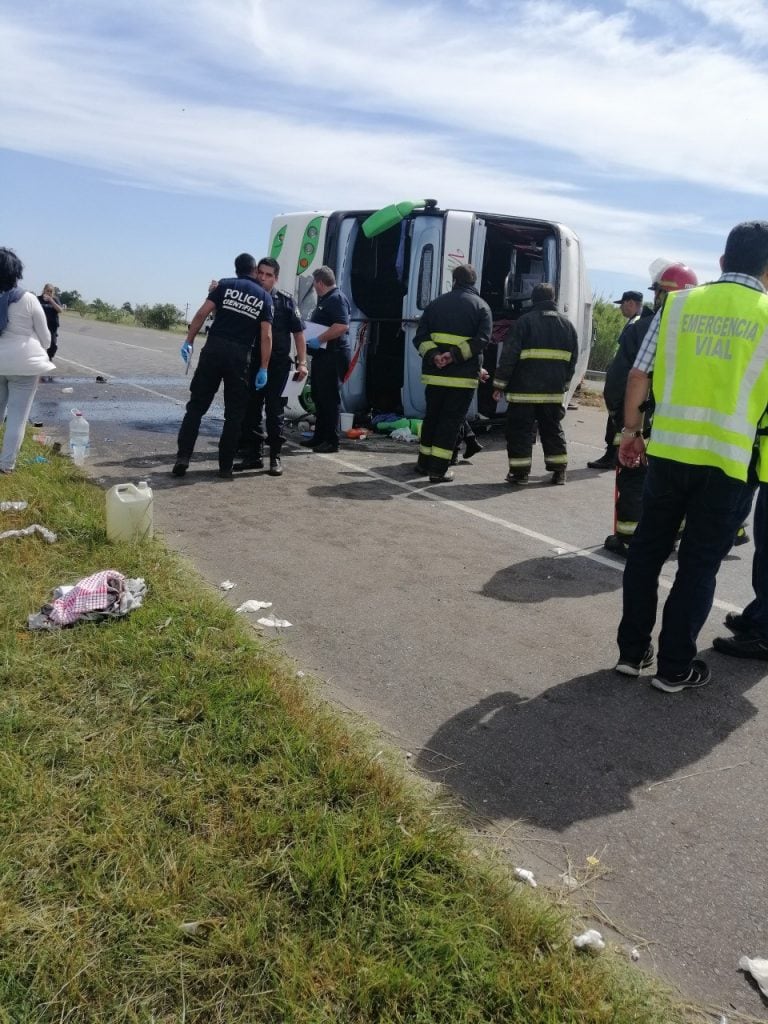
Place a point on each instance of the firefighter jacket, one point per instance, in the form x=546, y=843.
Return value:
x=538, y=357
x=617, y=373
x=458, y=322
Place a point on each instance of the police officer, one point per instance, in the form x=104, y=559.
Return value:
x=536, y=366
x=286, y=322
x=330, y=360
x=243, y=326
x=450, y=338
x=708, y=352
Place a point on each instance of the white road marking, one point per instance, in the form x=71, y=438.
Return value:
x=127, y=384
x=551, y=542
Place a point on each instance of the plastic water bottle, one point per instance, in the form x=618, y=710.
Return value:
x=79, y=437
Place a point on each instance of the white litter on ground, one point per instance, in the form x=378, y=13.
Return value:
x=44, y=532
x=12, y=506
x=590, y=939
x=569, y=881
x=275, y=623
x=526, y=876
x=253, y=606
x=758, y=968
x=634, y=954
x=227, y=585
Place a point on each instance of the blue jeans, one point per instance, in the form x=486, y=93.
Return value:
x=713, y=506
x=755, y=615
x=17, y=392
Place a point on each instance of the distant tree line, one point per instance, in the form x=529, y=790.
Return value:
x=161, y=316
x=607, y=324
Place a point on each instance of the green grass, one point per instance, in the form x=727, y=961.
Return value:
x=166, y=769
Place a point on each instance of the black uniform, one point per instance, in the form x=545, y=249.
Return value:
x=286, y=322
x=52, y=319
x=458, y=322
x=242, y=306
x=329, y=365
x=537, y=363
x=629, y=480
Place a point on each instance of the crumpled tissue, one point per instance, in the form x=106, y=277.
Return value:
x=590, y=939
x=758, y=968
x=272, y=621
x=526, y=876
x=253, y=606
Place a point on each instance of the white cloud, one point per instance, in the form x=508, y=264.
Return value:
x=358, y=103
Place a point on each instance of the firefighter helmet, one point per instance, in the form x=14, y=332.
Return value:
x=672, y=277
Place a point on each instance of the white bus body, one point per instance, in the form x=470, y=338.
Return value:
x=402, y=260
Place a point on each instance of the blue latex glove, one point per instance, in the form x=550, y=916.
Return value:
x=313, y=344
x=186, y=351
x=261, y=380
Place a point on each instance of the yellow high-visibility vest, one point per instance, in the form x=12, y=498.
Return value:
x=710, y=378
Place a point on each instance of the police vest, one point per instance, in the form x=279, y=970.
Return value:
x=710, y=377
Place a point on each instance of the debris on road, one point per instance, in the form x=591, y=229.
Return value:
x=274, y=623
x=253, y=606
x=526, y=876
x=227, y=585
x=758, y=968
x=590, y=939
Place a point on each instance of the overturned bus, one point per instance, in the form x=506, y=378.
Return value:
x=391, y=263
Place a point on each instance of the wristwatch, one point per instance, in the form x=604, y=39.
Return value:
x=631, y=433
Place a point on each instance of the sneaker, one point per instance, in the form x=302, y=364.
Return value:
x=325, y=449
x=275, y=466
x=736, y=622
x=471, y=447
x=558, y=477
x=180, y=467
x=632, y=666
x=697, y=675
x=517, y=479
x=444, y=479
x=744, y=646
x=616, y=545
x=606, y=461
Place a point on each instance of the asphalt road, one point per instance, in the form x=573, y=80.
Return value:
x=476, y=626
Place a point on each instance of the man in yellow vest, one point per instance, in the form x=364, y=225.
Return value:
x=708, y=353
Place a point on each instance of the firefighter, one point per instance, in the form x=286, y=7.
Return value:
x=450, y=338
x=630, y=479
x=537, y=363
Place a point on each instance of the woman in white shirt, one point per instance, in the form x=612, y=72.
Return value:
x=24, y=338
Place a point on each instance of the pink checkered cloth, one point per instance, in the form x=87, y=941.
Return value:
x=98, y=592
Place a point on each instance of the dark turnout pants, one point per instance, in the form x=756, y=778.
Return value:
x=522, y=419
x=755, y=615
x=328, y=368
x=713, y=506
x=447, y=409
x=270, y=397
x=219, y=361
x=630, y=482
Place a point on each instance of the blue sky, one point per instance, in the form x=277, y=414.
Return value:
x=144, y=144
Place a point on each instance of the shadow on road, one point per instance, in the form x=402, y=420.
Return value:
x=580, y=749
x=540, y=579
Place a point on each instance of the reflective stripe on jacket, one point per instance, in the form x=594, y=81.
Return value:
x=458, y=322
x=538, y=357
